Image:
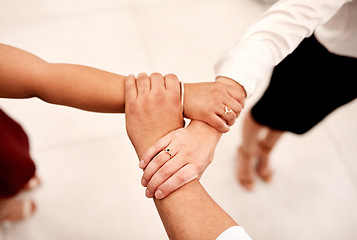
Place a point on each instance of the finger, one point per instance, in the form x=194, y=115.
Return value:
x=130, y=88
x=233, y=104
x=155, y=164
x=172, y=83
x=215, y=121
x=229, y=117
x=157, y=81
x=238, y=95
x=180, y=178
x=154, y=150
x=165, y=172
x=143, y=83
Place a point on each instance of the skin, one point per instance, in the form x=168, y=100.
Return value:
x=23, y=75
x=253, y=154
x=189, y=212
x=197, y=139
x=206, y=102
x=159, y=175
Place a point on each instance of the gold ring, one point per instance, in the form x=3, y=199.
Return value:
x=168, y=150
x=227, y=110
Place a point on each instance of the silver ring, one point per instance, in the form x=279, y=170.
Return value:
x=227, y=110
x=168, y=151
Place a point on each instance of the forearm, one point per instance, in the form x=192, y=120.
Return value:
x=23, y=75
x=275, y=35
x=190, y=213
x=82, y=87
x=211, y=134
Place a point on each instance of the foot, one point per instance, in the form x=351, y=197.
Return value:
x=263, y=168
x=245, y=168
x=14, y=210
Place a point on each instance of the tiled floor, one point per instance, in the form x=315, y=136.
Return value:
x=91, y=184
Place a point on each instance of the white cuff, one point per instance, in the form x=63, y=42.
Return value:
x=234, y=233
x=247, y=63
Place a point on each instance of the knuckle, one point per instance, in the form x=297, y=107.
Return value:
x=190, y=153
x=156, y=75
x=220, y=126
x=151, y=186
x=198, y=171
x=232, y=117
x=167, y=188
x=146, y=176
x=160, y=160
x=223, y=129
x=197, y=168
x=201, y=168
x=181, y=177
x=142, y=76
x=156, y=151
x=171, y=76
x=163, y=173
x=228, y=116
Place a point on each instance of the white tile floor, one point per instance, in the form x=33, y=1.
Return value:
x=91, y=184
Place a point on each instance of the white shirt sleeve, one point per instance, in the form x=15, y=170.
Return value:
x=275, y=35
x=234, y=233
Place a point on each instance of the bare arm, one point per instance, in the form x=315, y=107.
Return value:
x=190, y=213
x=23, y=75
x=153, y=110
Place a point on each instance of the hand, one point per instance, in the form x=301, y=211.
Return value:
x=192, y=150
x=152, y=108
x=207, y=102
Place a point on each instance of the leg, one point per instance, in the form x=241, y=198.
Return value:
x=247, y=151
x=264, y=148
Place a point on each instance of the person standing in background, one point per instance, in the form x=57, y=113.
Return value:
x=276, y=34
x=316, y=78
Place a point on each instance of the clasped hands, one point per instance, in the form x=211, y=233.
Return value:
x=154, y=114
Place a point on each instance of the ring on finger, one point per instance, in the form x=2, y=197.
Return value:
x=227, y=110
x=168, y=151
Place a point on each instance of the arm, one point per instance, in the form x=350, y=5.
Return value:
x=153, y=110
x=275, y=35
x=23, y=75
x=205, y=102
x=192, y=149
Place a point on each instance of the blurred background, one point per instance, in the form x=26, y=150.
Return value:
x=91, y=181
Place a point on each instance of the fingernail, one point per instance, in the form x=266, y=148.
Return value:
x=143, y=182
x=141, y=164
x=148, y=193
x=158, y=194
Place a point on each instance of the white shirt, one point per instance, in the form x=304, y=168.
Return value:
x=234, y=233
x=281, y=29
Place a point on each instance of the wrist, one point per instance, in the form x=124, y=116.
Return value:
x=186, y=97
x=206, y=130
